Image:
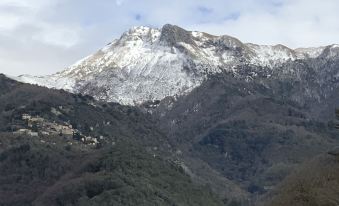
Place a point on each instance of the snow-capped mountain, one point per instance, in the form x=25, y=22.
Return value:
x=150, y=64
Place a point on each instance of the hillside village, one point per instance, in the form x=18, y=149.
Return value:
x=36, y=126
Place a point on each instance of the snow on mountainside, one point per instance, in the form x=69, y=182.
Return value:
x=150, y=64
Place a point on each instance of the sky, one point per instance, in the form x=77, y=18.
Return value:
x=40, y=37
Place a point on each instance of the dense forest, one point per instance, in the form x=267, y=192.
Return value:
x=127, y=166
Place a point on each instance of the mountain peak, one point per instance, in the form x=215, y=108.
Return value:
x=172, y=34
x=150, y=64
x=140, y=34
x=140, y=30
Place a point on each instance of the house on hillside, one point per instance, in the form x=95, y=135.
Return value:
x=22, y=131
x=26, y=116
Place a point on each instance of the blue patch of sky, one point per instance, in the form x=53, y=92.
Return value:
x=205, y=10
x=232, y=16
x=137, y=17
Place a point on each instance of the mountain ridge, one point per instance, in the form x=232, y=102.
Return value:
x=147, y=64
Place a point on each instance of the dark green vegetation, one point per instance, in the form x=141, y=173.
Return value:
x=35, y=173
x=128, y=167
x=110, y=120
x=316, y=183
x=253, y=133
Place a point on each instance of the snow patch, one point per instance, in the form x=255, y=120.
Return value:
x=137, y=67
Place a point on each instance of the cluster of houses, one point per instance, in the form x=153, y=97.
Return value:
x=39, y=126
x=27, y=132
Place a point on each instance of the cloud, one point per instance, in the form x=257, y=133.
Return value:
x=205, y=10
x=58, y=35
x=45, y=36
x=119, y=2
x=297, y=23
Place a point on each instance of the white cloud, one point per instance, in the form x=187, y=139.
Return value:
x=8, y=22
x=44, y=36
x=58, y=35
x=297, y=23
x=119, y=2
